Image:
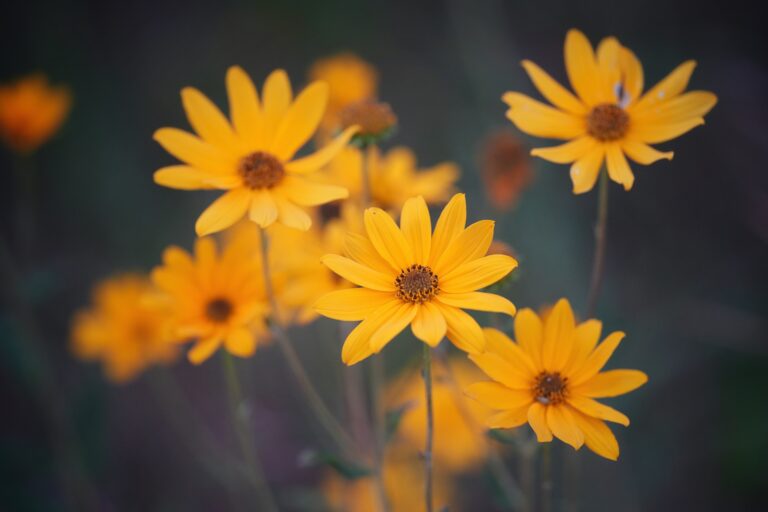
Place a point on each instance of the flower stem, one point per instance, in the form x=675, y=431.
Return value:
x=546, y=477
x=239, y=412
x=430, y=427
x=600, y=239
x=316, y=403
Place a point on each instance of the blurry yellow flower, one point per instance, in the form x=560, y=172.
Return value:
x=550, y=378
x=459, y=420
x=253, y=157
x=350, y=80
x=214, y=298
x=410, y=276
x=122, y=329
x=609, y=118
x=394, y=177
x=31, y=111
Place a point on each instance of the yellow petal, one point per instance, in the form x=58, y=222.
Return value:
x=356, y=346
x=224, y=211
x=597, y=436
x=277, y=100
x=655, y=133
x=618, y=168
x=240, y=342
x=584, y=170
x=478, y=301
x=529, y=332
x=612, y=383
x=470, y=244
x=608, y=54
x=206, y=119
x=360, y=249
x=306, y=193
x=555, y=93
x=597, y=358
x=582, y=68
x=263, y=209
x=291, y=215
x=537, y=418
x=184, y=177
x=318, y=159
x=416, y=226
x=301, y=120
x=451, y=222
x=643, y=153
x=387, y=238
x=632, y=73
x=463, y=331
x=566, y=153
x=597, y=410
x=503, y=371
x=203, y=349
x=496, y=342
x=587, y=336
x=690, y=105
x=359, y=274
x=497, y=396
x=351, y=304
x=477, y=274
x=672, y=85
x=392, y=326
x=244, y=107
x=563, y=426
x=559, y=332
x=429, y=324
x=195, y=152
x=508, y=419
x=536, y=118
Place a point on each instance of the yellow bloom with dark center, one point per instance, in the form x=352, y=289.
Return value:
x=609, y=118
x=122, y=328
x=551, y=377
x=253, y=157
x=408, y=275
x=31, y=111
x=215, y=298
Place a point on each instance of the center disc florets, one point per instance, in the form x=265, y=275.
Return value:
x=218, y=310
x=607, y=122
x=416, y=284
x=550, y=388
x=261, y=170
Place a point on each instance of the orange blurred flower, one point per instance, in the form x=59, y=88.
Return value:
x=506, y=168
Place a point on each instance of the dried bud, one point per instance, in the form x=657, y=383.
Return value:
x=376, y=121
x=506, y=169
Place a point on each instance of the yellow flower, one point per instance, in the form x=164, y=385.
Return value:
x=215, y=298
x=350, y=79
x=551, y=377
x=408, y=275
x=458, y=443
x=609, y=118
x=253, y=158
x=394, y=177
x=122, y=329
x=31, y=111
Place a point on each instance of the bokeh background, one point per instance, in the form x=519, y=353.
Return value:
x=686, y=257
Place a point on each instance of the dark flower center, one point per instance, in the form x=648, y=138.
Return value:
x=550, y=388
x=219, y=310
x=261, y=170
x=416, y=284
x=607, y=122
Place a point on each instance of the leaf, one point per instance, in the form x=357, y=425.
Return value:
x=394, y=417
x=501, y=435
x=347, y=469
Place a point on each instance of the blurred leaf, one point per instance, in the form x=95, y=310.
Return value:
x=501, y=435
x=347, y=469
x=394, y=417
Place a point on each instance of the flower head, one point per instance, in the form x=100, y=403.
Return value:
x=31, y=111
x=123, y=328
x=506, y=169
x=408, y=275
x=376, y=120
x=214, y=298
x=609, y=118
x=551, y=377
x=254, y=156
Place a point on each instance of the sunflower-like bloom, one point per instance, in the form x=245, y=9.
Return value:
x=409, y=275
x=394, y=176
x=214, y=298
x=122, y=328
x=551, y=377
x=253, y=158
x=609, y=118
x=31, y=111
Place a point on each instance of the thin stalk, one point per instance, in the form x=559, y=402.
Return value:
x=600, y=240
x=546, y=477
x=240, y=419
x=427, y=372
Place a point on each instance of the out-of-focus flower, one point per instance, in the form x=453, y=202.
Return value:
x=122, y=328
x=459, y=420
x=409, y=276
x=551, y=377
x=253, y=158
x=215, y=298
x=350, y=79
x=394, y=177
x=376, y=120
x=609, y=118
x=31, y=111
x=506, y=169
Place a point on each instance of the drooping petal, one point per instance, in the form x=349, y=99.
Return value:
x=470, y=244
x=536, y=118
x=277, y=100
x=584, y=171
x=508, y=419
x=291, y=215
x=566, y=153
x=497, y=396
x=240, y=342
x=429, y=325
x=597, y=410
x=301, y=120
x=559, y=333
x=416, y=226
x=643, y=153
x=263, y=209
x=463, y=331
x=203, y=349
x=351, y=304
x=392, y=326
x=318, y=159
x=612, y=383
x=451, y=222
x=537, y=418
x=558, y=95
x=529, y=332
x=195, y=152
x=244, y=108
x=359, y=274
x=582, y=68
x=387, y=238
x=672, y=85
x=478, y=301
x=597, y=436
x=618, y=167
x=597, y=358
x=477, y=274
x=360, y=249
x=184, y=177
x=357, y=345
x=303, y=192
x=206, y=119
x=563, y=426
x=223, y=212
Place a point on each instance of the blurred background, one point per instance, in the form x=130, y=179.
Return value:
x=687, y=248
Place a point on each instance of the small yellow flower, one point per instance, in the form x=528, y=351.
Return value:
x=31, y=111
x=609, y=118
x=551, y=377
x=411, y=276
x=122, y=328
x=253, y=158
x=214, y=298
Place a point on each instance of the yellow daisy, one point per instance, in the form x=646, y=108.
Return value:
x=551, y=377
x=122, y=329
x=214, y=298
x=409, y=275
x=254, y=157
x=609, y=118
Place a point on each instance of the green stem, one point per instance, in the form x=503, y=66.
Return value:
x=546, y=477
x=600, y=240
x=427, y=371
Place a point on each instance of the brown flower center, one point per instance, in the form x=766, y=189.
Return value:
x=607, y=122
x=550, y=388
x=372, y=117
x=219, y=310
x=416, y=284
x=261, y=170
